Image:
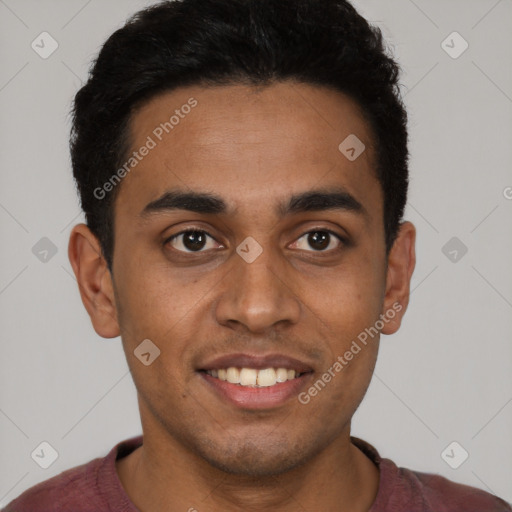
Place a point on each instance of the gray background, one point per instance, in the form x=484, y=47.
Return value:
x=446, y=376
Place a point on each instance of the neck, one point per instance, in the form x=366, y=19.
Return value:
x=339, y=478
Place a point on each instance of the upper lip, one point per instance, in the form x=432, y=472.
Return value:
x=258, y=362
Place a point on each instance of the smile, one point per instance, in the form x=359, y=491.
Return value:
x=253, y=377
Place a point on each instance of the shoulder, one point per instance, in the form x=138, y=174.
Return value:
x=405, y=490
x=443, y=495
x=73, y=489
x=91, y=487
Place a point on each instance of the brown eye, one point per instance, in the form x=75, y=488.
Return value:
x=190, y=241
x=319, y=240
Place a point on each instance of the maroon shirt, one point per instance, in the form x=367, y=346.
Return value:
x=95, y=487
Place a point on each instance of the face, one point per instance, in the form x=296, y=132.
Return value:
x=246, y=239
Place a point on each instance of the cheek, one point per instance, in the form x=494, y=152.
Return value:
x=144, y=283
x=159, y=304
x=352, y=350
x=351, y=301
x=146, y=304
x=348, y=309
x=152, y=308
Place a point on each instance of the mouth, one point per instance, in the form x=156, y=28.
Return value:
x=255, y=382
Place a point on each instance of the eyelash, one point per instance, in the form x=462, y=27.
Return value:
x=341, y=239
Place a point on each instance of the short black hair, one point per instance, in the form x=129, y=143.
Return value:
x=221, y=42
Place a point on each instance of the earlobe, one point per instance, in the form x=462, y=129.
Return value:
x=401, y=263
x=94, y=280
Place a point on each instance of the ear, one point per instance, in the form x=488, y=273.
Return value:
x=401, y=263
x=94, y=280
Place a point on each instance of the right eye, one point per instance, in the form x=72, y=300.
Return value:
x=190, y=240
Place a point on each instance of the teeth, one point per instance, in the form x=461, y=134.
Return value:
x=267, y=377
x=252, y=377
x=248, y=376
x=233, y=375
x=282, y=375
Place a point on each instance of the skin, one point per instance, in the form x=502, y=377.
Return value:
x=253, y=147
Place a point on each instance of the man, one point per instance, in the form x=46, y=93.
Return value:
x=242, y=165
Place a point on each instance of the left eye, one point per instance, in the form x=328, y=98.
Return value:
x=190, y=241
x=319, y=241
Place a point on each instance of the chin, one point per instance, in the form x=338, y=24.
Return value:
x=254, y=460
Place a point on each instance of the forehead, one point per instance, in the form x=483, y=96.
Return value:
x=246, y=142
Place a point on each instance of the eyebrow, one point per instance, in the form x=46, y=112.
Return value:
x=207, y=203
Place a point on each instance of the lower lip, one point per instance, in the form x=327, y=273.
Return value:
x=257, y=398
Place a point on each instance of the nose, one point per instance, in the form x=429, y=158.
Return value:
x=258, y=296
